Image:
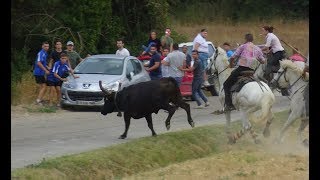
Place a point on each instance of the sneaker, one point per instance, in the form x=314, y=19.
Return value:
x=229, y=108
x=201, y=106
x=207, y=104
x=206, y=83
x=39, y=102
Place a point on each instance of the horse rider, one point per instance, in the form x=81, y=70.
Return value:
x=247, y=53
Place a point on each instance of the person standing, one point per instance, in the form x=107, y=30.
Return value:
x=41, y=70
x=166, y=40
x=152, y=40
x=197, y=70
x=154, y=66
x=164, y=69
x=200, y=44
x=74, y=57
x=247, y=53
x=175, y=60
x=58, y=74
x=122, y=51
x=55, y=54
x=188, y=56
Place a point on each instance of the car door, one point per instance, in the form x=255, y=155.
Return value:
x=132, y=71
x=141, y=76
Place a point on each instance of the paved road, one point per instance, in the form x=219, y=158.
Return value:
x=35, y=136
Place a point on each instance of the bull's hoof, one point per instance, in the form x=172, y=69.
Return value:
x=232, y=140
x=122, y=137
x=119, y=114
x=257, y=141
x=154, y=135
x=305, y=143
x=168, y=126
x=191, y=124
x=266, y=133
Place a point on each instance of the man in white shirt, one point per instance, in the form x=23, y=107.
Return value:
x=272, y=44
x=278, y=53
x=121, y=50
x=200, y=44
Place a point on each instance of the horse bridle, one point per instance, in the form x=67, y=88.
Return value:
x=214, y=62
x=281, y=73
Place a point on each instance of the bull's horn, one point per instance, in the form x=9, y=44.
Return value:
x=102, y=89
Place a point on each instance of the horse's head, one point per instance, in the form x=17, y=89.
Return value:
x=287, y=72
x=220, y=60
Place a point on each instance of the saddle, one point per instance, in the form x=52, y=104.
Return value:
x=244, y=78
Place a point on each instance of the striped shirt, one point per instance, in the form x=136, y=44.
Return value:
x=41, y=57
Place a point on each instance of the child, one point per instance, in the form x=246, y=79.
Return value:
x=58, y=74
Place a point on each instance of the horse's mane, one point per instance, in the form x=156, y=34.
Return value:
x=286, y=63
x=223, y=53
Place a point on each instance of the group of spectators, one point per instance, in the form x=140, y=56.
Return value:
x=50, y=70
x=167, y=61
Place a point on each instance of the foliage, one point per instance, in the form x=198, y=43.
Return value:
x=94, y=26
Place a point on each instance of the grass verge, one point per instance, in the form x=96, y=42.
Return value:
x=145, y=154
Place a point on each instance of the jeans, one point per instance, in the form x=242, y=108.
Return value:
x=204, y=59
x=147, y=49
x=178, y=79
x=197, y=91
x=273, y=64
x=157, y=77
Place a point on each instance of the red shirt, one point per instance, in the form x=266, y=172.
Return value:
x=296, y=57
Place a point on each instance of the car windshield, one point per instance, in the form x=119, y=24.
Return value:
x=94, y=65
x=211, y=50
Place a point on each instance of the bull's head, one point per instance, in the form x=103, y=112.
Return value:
x=109, y=104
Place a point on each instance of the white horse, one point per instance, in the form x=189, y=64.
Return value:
x=251, y=98
x=290, y=76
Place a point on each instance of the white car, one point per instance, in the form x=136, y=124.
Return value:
x=214, y=85
x=111, y=69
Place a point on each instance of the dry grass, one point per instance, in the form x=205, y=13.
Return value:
x=26, y=91
x=235, y=165
x=244, y=160
x=295, y=33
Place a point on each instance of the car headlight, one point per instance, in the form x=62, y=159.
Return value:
x=68, y=85
x=114, y=86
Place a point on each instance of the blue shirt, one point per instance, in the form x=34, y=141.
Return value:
x=41, y=57
x=60, y=69
x=155, y=58
x=229, y=53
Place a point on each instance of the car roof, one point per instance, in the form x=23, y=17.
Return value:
x=191, y=43
x=113, y=56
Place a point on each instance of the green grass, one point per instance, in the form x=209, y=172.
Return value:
x=139, y=155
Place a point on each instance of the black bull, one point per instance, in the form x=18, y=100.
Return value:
x=143, y=99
